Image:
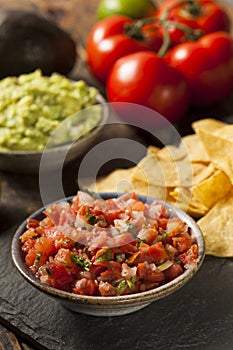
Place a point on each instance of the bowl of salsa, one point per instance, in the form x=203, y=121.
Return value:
x=108, y=254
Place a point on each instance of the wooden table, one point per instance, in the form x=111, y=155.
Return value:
x=20, y=193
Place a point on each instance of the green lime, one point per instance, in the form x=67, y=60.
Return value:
x=131, y=8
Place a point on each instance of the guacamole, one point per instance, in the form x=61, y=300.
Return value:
x=32, y=106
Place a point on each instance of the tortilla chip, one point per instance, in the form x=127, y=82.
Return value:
x=217, y=228
x=207, y=124
x=211, y=190
x=183, y=200
x=165, y=173
x=144, y=188
x=172, y=153
x=217, y=138
x=202, y=171
x=195, y=149
x=153, y=149
x=117, y=181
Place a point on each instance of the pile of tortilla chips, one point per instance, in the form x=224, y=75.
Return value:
x=196, y=176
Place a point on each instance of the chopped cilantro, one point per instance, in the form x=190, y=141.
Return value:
x=130, y=284
x=164, y=235
x=139, y=241
x=90, y=218
x=85, y=250
x=80, y=261
x=47, y=269
x=134, y=279
x=121, y=286
x=106, y=256
x=120, y=257
x=37, y=259
x=177, y=260
x=38, y=235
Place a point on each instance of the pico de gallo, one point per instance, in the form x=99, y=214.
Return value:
x=111, y=247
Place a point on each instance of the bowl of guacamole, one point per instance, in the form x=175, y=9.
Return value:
x=46, y=114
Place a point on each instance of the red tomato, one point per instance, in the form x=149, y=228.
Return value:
x=205, y=15
x=158, y=253
x=172, y=272
x=189, y=256
x=40, y=251
x=108, y=41
x=58, y=276
x=207, y=65
x=85, y=286
x=144, y=78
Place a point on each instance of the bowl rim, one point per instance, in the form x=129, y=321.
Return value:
x=147, y=296
x=105, y=116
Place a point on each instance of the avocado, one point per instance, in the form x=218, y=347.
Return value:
x=29, y=41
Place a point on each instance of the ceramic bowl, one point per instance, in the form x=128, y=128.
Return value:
x=28, y=162
x=117, y=305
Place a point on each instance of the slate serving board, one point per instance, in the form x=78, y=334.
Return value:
x=198, y=316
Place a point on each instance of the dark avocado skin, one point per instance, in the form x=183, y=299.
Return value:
x=29, y=41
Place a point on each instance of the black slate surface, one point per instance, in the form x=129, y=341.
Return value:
x=198, y=316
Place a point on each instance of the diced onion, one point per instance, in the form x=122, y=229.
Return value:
x=165, y=265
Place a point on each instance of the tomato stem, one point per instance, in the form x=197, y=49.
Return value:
x=192, y=35
x=166, y=42
x=135, y=31
x=193, y=8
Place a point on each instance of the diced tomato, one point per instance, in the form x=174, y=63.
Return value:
x=58, y=277
x=148, y=234
x=30, y=233
x=112, y=215
x=163, y=222
x=183, y=242
x=46, y=223
x=175, y=226
x=137, y=206
x=29, y=244
x=63, y=257
x=30, y=258
x=45, y=246
x=32, y=223
x=190, y=256
x=85, y=286
x=149, y=272
x=96, y=270
x=106, y=289
x=173, y=271
x=39, y=253
x=113, y=271
x=126, y=248
x=64, y=242
x=124, y=239
x=158, y=253
x=60, y=213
